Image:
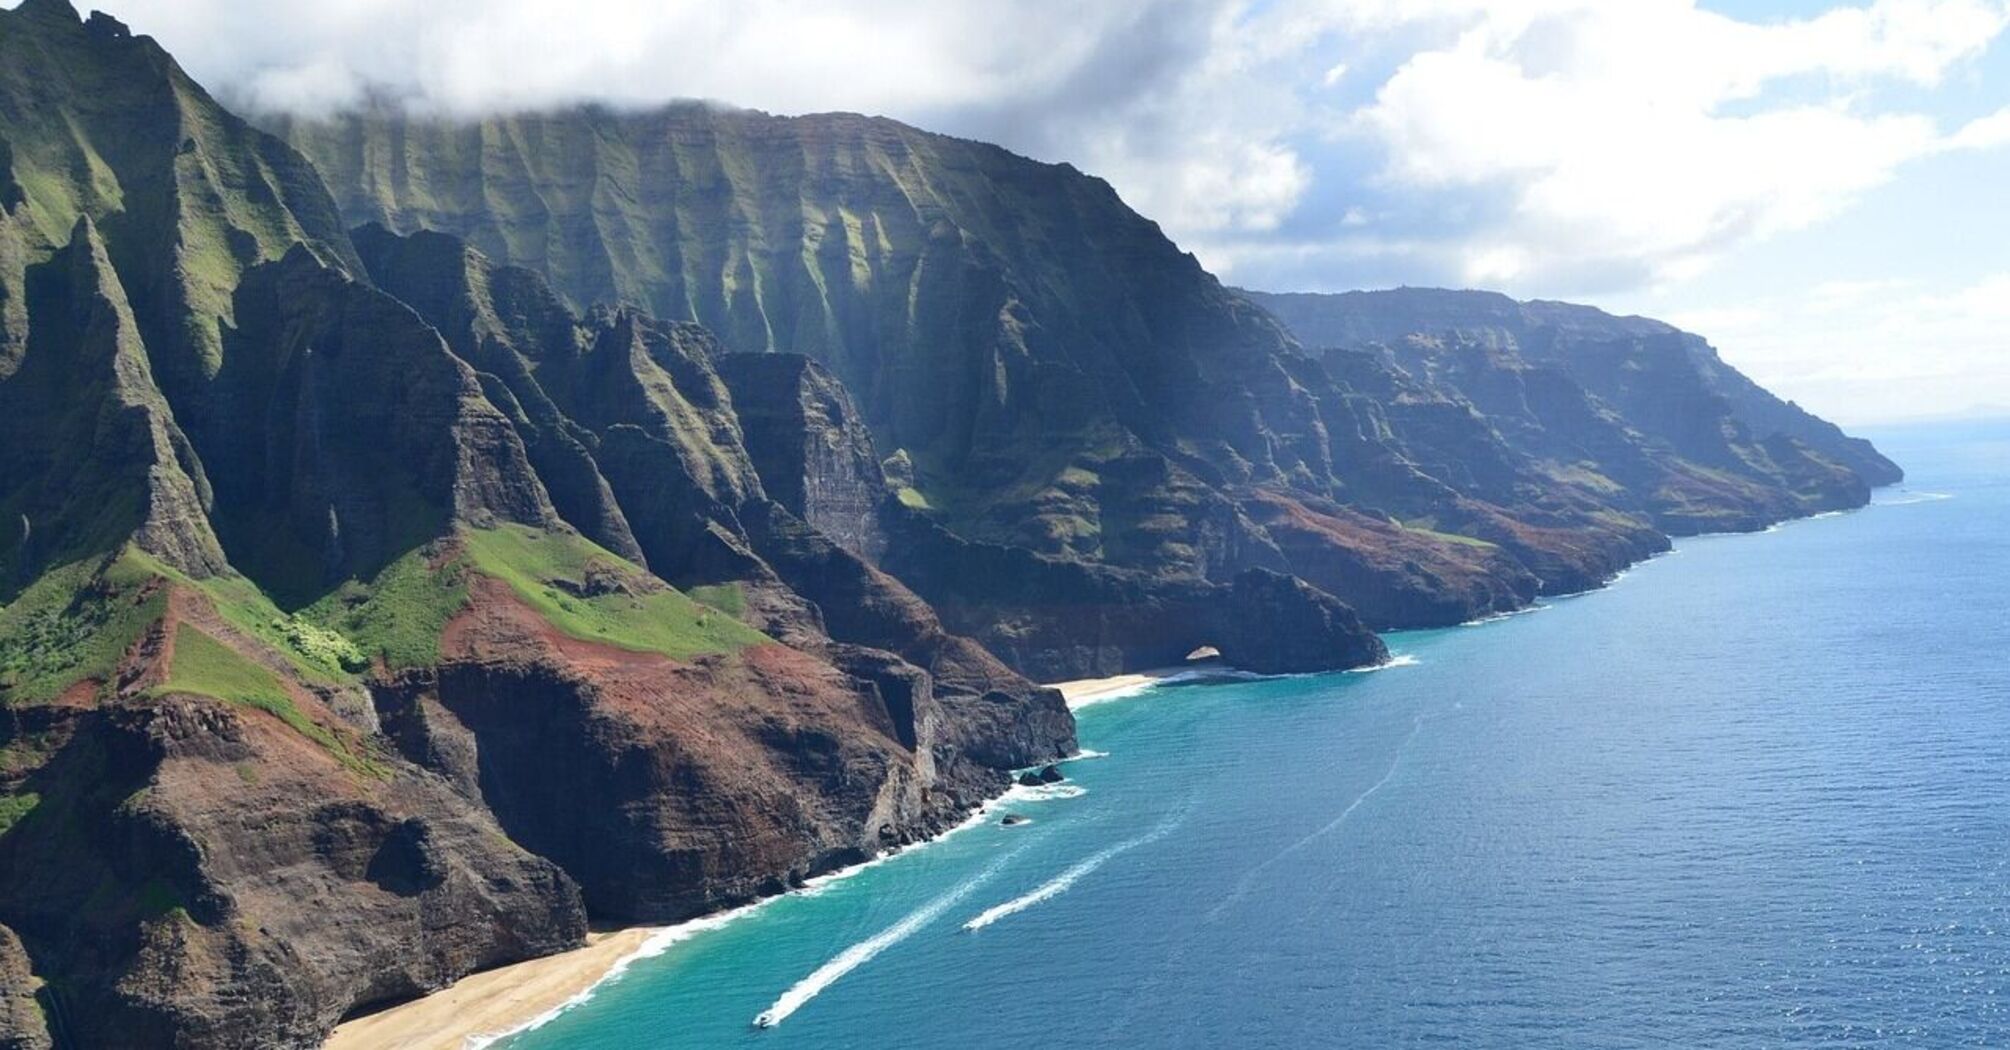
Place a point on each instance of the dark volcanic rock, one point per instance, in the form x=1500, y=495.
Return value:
x=1641, y=414
x=410, y=886
x=624, y=767
x=1059, y=619
x=22, y=1024
x=813, y=452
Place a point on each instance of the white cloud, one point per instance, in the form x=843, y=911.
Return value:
x=1585, y=142
x=1645, y=138
x=1983, y=132
x=1873, y=350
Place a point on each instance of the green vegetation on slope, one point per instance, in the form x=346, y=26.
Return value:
x=317, y=653
x=75, y=622
x=1423, y=528
x=206, y=667
x=14, y=807
x=728, y=598
x=399, y=615
x=591, y=594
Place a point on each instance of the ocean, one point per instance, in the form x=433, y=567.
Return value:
x=1756, y=793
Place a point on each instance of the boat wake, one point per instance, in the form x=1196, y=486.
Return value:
x=863, y=952
x=1060, y=884
x=1907, y=499
x=1242, y=885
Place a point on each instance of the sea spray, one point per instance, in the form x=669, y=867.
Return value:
x=1394, y=661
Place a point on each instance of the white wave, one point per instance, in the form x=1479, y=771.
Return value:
x=1395, y=660
x=1115, y=694
x=658, y=942
x=1037, y=793
x=1061, y=883
x=1206, y=674
x=1083, y=756
x=863, y=952
x=1907, y=499
x=1532, y=607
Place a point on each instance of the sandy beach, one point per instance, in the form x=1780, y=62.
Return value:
x=490, y=1002
x=1084, y=691
x=507, y=998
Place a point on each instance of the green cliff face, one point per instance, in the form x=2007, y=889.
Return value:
x=1012, y=325
x=280, y=551
x=1056, y=376
x=622, y=476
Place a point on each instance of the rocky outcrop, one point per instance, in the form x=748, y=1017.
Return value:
x=23, y=1025
x=89, y=446
x=812, y=449
x=987, y=712
x=1059, y=619
x=165, y=917
x=667, y=789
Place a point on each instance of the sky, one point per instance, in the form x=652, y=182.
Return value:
x=1818, y=187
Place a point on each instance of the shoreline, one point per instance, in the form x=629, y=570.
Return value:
x=490, y=1005
x=1082, y=692
x=485, y=1007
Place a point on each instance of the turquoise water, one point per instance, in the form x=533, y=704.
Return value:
x=1757, y=793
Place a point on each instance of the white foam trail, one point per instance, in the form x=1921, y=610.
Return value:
x=1910, y=498
x=1083, y=756
x=663, y=939
x=863, y=952
x=1242, y=885
x=1061, y=883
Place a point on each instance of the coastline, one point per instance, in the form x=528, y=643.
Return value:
x=484, y=1007
x=497, y=1001
x=1082, y=692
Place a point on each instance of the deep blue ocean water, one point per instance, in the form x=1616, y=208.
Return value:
x=1755, y=794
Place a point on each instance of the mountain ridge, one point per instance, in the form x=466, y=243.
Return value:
x=414, y=527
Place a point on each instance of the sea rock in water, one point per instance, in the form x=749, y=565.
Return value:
x=1012, y=820
x=1051, y=775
